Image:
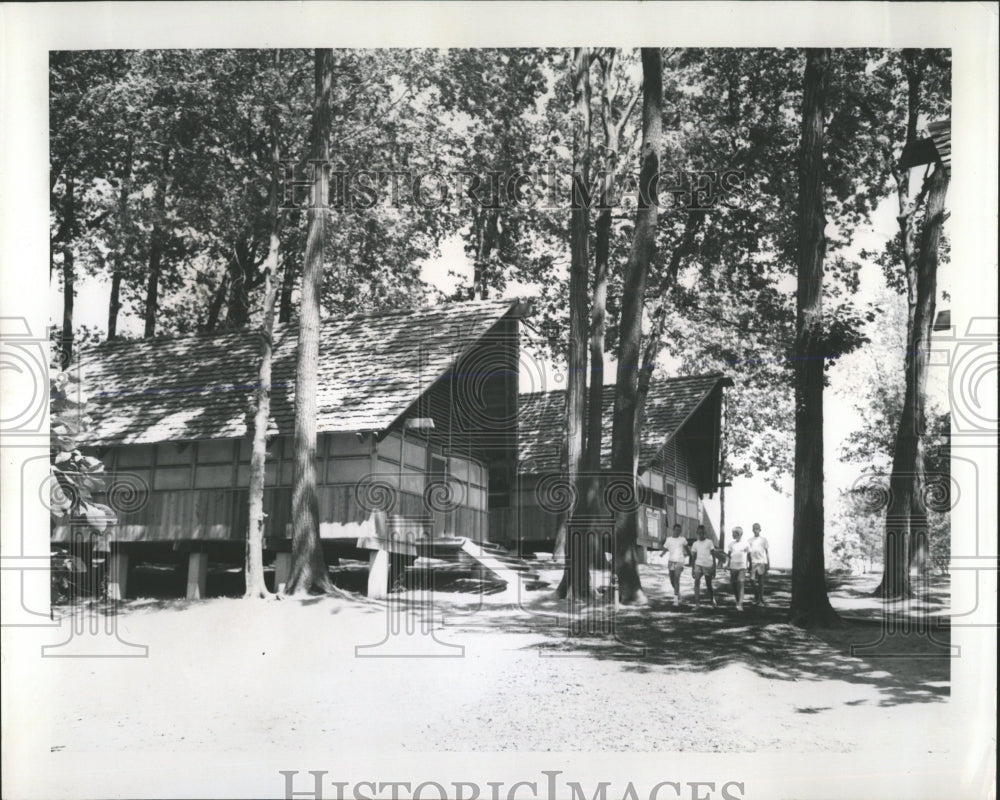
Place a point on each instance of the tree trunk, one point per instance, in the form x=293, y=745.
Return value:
x=589, y=481
x=577, y=560
x=723, y=474
x=255, y=586
x=157, y=245
x=308, y=572
x=153, y=280
x=598, y=331
x=645, y=378
x=722, y=514
x=289, y=272
x=905, y=544
x=242, y=266
x=215, y=307
x=810, y=606
x=68, y=273
x=114, y=302
x=685, y=247
x=238, y=308
x=630, y=329
x=599, y=301
x=487, y=233
x=906, y=517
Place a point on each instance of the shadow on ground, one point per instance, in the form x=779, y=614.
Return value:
x=905, y=667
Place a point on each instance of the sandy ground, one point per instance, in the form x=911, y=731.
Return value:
x=490, y=676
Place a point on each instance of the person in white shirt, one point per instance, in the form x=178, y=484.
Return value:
x=703, y=551
x=676, y=550
x=760, y=560
x=736, y=557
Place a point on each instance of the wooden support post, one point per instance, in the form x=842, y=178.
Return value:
x=282, y=569
x=378, y=574
x=117, y=576
x=197, y=581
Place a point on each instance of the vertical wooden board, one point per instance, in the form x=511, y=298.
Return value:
x=278, y=506
x=498, y=521
x=327, y=496
x=164, y=510
x=439, y=521
x=240, y=514
x=463, y=522
x=213, y=510
x=271, y=529
x=179, y=514
x=337, y=504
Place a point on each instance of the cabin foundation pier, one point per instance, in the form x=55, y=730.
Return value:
x=378, y=574
x=118, y=576
x=197, y=577
x=282, y=569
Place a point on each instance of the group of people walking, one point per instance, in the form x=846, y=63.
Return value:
x=741, y=556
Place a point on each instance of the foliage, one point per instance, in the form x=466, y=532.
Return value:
x=195, y=124
x=875, y=381
x=185, y=137
x=855, y=539
x=77, y=481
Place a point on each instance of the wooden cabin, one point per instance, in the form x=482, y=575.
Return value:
x=934, y=148
x=679, y=459
x=416, y=427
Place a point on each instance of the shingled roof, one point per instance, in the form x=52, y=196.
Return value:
x=197, y=387
x=542, y=420
x=936, y=146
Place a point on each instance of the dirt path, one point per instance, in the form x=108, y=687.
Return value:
x=227, y=674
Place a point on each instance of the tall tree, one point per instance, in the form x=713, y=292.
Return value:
x=120, y=241
x=68, y=269
x=630, y=328
x=255, y=586
x=921, y=221
x=615, y=113
x=157, y=244
x=490, y=96
x=577, y=578
x=308, y=571
x=810, y=604
x=614, y=118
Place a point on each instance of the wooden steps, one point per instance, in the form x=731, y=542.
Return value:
x=493, y=560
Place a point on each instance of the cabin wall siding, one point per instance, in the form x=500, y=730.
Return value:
x=198, y=490
x=669, y=495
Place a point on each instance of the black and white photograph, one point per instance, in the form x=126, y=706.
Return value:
x=499, y=401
